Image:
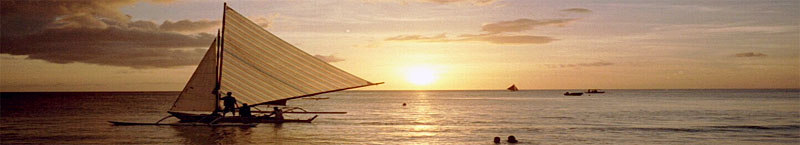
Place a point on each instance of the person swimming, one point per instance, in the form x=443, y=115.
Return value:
x=512, y=139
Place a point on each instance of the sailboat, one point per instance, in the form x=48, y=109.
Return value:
x=512, y=88
x=594, y=91
x=258, y=68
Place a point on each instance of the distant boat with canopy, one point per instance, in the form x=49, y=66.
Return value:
x=572, y=94
x=259, y=69
x=512, y=88
x=594, y=91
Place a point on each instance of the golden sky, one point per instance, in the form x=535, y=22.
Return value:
x=415, y=44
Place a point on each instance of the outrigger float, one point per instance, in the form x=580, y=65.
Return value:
x=259, y=69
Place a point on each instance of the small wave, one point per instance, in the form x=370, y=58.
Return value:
x=664, y=129
x=727, y=128
x=756, y=127
x=558, y=117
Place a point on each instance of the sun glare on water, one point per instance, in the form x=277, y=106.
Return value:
x=420, y=75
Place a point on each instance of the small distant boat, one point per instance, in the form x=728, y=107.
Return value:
x=594, y=91
x=513, y=88
x=573, y=94
x=318, y=98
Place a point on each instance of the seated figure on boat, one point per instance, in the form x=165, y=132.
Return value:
x=230, y=104
x=244, y=111
x=277, y=112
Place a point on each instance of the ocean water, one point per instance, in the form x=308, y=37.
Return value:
x=430, y=117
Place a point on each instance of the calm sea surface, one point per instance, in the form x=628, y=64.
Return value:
x=431, y=117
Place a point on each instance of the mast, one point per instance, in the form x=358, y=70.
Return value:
x=222, y=42
x=221, y=50
x=217, y=67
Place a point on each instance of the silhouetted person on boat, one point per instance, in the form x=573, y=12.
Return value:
x=230, y=104
x=277, y=112
x=244, y=111
x=512, y=139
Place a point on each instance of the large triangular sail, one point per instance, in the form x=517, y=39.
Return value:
x=260, y=68
x=198, y=95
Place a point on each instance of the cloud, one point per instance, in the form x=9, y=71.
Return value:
x=520, y=25
x=577, y=10
x=593, y=64
x=474, y=2
x=189, y=26
x=752, y=29
x=329, y=58
x=112, y=46
x=22, y=17
x=265, y=22
x=496, y=33
x=514, y=39
x=490, y=38
x=750, y=54
x=96, y=32
x=438, y=38
x=143, y=25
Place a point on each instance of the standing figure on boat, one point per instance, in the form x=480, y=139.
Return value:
x=244, y=111
x=230, y=104
x=277, y=112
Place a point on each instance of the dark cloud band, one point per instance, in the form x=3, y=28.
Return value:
x=577, y=10
x=750, y=54
x=96, y=32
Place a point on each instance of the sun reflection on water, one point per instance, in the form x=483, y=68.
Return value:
x=423, y=124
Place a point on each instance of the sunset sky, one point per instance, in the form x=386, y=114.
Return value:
x=415, y=44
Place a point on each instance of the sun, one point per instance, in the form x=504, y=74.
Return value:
x=420, y=75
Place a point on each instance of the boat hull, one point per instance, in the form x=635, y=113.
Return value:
x=205, y=118
x=120, y=123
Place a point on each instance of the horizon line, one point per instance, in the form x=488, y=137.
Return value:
x=425, y=90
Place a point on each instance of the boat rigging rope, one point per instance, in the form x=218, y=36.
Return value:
x=162, y=119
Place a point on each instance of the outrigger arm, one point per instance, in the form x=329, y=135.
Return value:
x=283, y=101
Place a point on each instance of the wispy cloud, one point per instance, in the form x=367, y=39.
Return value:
x=474, y=2
x=750, y=54
x=520, y=25
x=502, y=32
x=512, y=39
x=265, y=21
x=496, y=33
x=753, y=29
x=490, y=38
x=593, y=64
x=577, y=10
x=438, y=38
x=189, y=26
